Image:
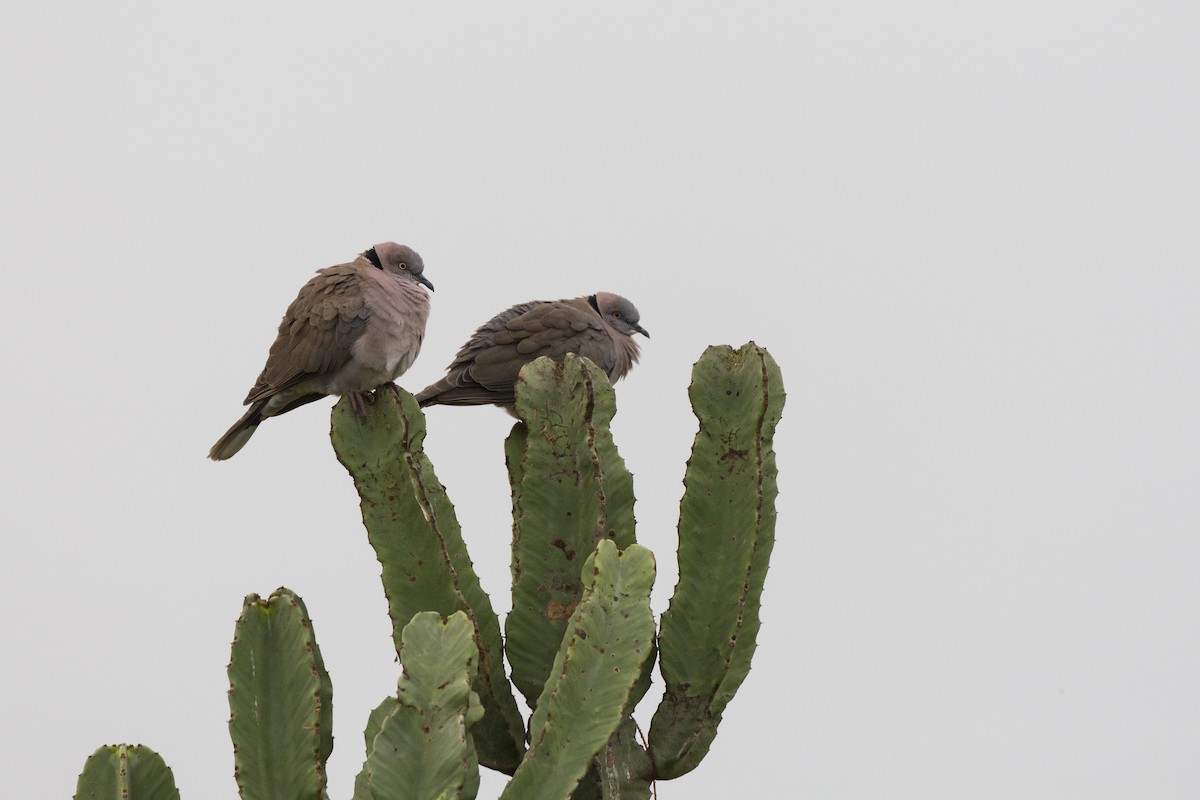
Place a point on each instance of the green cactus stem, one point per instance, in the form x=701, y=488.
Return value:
x=597, y=664
x=125, y=772
x=425, y=567
x=726, y=532
x=423, y=749
x=570, y=490
x=280, y=701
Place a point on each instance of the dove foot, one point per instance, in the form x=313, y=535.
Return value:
x=359, y=401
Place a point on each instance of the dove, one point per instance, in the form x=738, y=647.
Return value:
x=599, y=327
x=353, y=327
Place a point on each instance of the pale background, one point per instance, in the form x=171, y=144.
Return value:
x=968, y=232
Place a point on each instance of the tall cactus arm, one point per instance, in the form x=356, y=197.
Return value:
x=570, y=490
x=423, y=750
x=126, y=772
x=425, y=567
x=594, y=670
x=726, y=532
x=280, y=701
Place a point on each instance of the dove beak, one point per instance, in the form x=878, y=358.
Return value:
x=423, y=280
x=642, y=331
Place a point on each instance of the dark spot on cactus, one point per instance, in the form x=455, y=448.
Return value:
x=559, y=610
x=582, y=634
x=567, y=552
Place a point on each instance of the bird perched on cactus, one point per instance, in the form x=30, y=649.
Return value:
x=599, y=327
x=352, y=328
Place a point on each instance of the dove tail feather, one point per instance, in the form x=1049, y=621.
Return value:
x=430, y=394
x=236, y=437
x=448, y=393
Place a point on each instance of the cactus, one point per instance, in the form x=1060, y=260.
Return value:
x=411, y=524
x=374, y=724
x=280, y=701
x=597, y=664
x=580, y=636
x=125, y=772
x=570, y=490
x=423, y=748
x=728, y=507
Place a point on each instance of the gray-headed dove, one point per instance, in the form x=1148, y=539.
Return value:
x=599, y=327
x=352, y=328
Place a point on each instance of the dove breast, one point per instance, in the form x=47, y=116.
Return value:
x=397, y=311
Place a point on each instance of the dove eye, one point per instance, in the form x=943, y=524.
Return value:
x=617, y=314
x=403, y=265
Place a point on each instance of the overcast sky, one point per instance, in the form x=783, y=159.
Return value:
x=967, y=232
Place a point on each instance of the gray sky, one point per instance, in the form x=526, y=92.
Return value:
x=967, y=232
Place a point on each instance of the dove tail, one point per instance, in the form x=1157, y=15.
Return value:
x=236, y=437
x=429, y=395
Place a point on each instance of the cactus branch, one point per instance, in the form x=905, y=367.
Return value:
x=594, y=670
x=280, y=701
x=425, y=567
x=570, y=490
x=126, y=772
x=726, y=532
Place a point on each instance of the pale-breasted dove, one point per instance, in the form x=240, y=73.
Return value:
x=352, y=328
x=599, y=327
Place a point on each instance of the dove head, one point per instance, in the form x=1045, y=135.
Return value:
x=400, y=259
x=620, y=313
